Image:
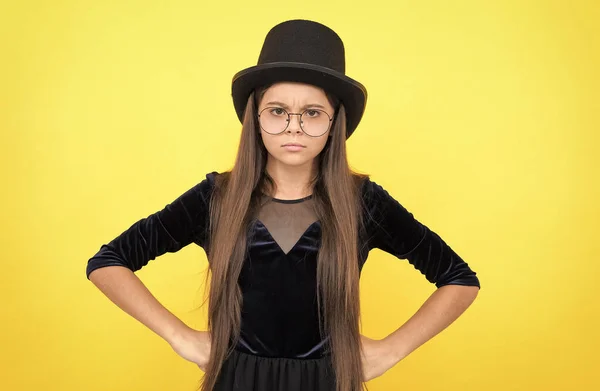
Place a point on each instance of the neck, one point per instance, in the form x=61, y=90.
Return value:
x=292, y=181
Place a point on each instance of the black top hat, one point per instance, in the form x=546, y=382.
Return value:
x=308, y=52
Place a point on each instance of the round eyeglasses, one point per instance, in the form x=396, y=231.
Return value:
x=313, y=122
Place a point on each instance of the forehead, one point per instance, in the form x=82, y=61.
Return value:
x=295, y=92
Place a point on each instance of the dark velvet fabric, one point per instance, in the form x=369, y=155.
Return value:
x=279, y=313
x=243, y=372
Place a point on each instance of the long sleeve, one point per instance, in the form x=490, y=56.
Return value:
x=393, y=229
x=178, y=224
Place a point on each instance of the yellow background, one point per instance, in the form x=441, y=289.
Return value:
x=482, y=120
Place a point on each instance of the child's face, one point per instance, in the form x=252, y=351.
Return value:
x=295, y=98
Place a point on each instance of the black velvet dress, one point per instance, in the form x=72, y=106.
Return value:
x=281, y=348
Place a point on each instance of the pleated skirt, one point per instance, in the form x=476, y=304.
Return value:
x=246, y=372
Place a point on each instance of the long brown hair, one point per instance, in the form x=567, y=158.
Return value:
x=339, y=209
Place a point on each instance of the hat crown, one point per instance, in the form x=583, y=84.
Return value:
x=304, y=41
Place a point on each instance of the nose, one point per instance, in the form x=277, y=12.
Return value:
x=294, y=125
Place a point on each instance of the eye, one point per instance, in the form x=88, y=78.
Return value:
x=312, y=113
x=277, y=111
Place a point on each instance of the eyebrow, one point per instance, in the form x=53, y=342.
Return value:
x=287, y=107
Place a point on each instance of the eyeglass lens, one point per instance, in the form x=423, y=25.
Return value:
x=275, y=120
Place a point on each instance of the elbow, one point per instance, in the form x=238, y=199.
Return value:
x=99, y=263
x=109, y=256
x=469, y=280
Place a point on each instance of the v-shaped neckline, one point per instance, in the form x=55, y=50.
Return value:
x=297, y=241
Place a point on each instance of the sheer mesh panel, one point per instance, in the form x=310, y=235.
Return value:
x=287, y=220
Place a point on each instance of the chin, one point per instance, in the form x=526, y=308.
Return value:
x=293, y=160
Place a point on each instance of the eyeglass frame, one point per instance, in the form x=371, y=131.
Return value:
x=289, y=120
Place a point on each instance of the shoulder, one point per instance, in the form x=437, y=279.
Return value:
x=212, y=177
x=372, y=199
x=379, y=205
x=208, y=184
x=201, y=192
x=371, y=193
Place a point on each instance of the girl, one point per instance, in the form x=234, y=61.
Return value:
x=287, y=231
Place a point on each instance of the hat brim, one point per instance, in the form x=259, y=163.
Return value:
x=352, y=93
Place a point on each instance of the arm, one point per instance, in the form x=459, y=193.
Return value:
x=178, y=224
x=112, y=268
x=393, y=229
x=127, y=291
x=442, y=308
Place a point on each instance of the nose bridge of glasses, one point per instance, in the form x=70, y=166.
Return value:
x=290, y=115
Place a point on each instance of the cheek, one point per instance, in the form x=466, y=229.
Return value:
x=318, y=144
x=270, y=143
